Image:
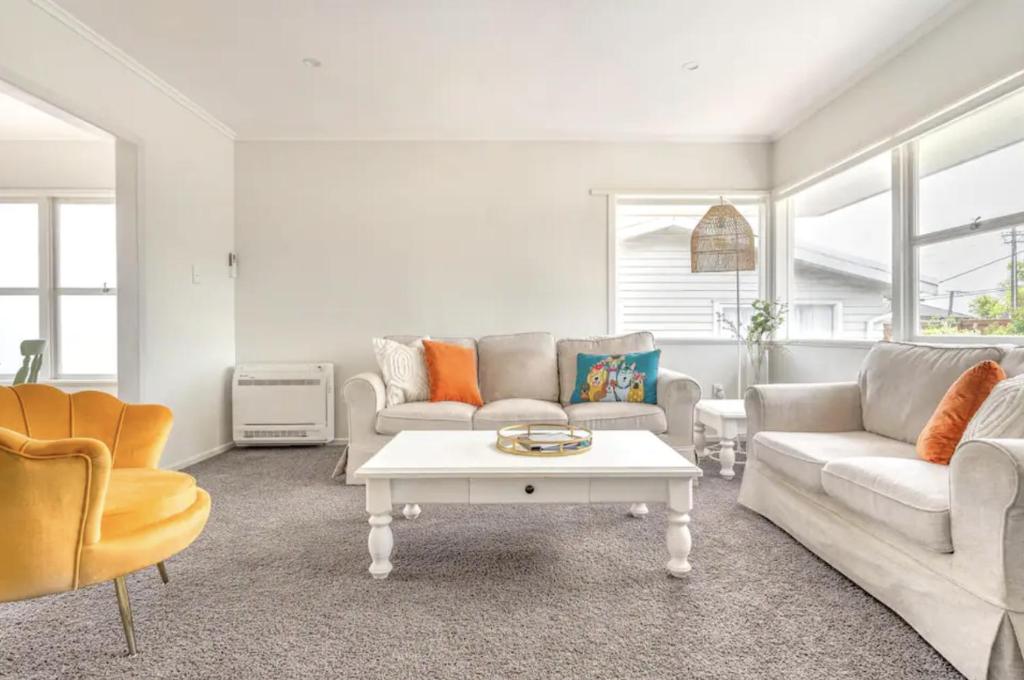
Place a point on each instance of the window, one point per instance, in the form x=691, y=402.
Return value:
x=815, y=319
x=840, y=257
x=961, y=233
x=654, y=288
x=58, y=280
x=725, y=314
x=970, y=226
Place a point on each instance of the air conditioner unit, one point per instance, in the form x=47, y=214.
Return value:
x=283, y=404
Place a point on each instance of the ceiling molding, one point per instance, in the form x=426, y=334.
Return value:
x=69, y=20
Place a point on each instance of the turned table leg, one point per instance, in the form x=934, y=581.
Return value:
x=727, y=457
x=638, y=509
x=411, y=510
x=678, y=537
x=381, y=541
x=699, y=442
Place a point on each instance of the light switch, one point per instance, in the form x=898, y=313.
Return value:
x=195, y=275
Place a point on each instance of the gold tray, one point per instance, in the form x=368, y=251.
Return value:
x=545, y=440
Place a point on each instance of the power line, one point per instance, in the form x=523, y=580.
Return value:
x=974, y=269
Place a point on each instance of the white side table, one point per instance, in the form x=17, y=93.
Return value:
x=728, y=418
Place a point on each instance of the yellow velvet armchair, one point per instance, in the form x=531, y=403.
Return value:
x=81, y=498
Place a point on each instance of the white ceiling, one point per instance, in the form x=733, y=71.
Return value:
x=22, y=122
x=510, y=69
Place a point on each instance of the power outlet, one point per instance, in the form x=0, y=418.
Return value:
x=196, y=279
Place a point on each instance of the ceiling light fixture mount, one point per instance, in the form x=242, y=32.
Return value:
x=312, y=62
x=691, y=65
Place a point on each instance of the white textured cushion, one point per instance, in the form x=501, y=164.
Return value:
x=404, y=370
x=514, y=411
x=902, y=383
x=569, y=348
x=910, y=497
x=520, y=366
x=1001, y=416
x=800, y=456
x=426, y=415
x=603, y=415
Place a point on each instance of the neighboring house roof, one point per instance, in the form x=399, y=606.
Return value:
x=856, y=267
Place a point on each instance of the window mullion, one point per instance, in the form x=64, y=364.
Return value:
x=46, y=285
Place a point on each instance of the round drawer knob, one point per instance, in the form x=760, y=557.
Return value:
x=529, y=488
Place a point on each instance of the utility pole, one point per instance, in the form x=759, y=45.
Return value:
x=1010, y=237
x=1013, y=271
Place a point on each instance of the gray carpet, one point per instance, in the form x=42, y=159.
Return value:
x=277, y=588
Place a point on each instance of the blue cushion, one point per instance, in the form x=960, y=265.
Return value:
x=617, y=377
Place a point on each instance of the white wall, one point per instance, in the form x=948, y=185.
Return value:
x=341, y=241
x=56, y=164
x=974, y=48
x=185, y=215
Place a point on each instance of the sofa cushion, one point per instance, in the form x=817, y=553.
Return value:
x=910, y=497
x=520, y=366
x=139, y=497
x=621, y=416
x=1013, y=361
x=1002, y=414
x=569, y=348
x=426, y=415
x=942, y=433
x=800, y=456
x=902, y=383
x=515, y=411
x=403, y=369
x=451, y=371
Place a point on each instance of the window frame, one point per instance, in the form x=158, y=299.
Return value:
x=48, y=290
x=907, y=239
x=743, y=197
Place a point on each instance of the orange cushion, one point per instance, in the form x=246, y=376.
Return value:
x=945, y=429
x=140, y=497
x=451, y=371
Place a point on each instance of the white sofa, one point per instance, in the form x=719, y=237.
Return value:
x=524, y=378
x=834, y=465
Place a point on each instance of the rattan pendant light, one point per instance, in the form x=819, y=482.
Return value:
x=723, y=242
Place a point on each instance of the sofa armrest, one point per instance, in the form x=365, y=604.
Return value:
x=678, y=395
x=803, y=407
x=364, y=398
x=986, y=487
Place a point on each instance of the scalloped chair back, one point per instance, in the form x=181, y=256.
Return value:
x=135, y=434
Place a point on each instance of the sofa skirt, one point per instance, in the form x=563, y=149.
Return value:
x=979, y=638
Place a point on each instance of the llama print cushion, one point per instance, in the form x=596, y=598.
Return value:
x=617, y=377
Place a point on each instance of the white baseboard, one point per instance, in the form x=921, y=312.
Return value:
x=203, y=455
x=339, y=441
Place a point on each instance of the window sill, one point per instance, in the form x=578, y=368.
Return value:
x=852, y=344
x=694, y=341
x=84, y=383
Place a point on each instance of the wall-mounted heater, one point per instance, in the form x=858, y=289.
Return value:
x=283, y=404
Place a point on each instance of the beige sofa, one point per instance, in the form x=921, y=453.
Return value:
x=524, y=378
x=834, y=465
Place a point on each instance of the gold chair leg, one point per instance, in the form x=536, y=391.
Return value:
x=125, y=606
x=162, y=568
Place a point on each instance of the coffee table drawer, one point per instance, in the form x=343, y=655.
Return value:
x=542, y=490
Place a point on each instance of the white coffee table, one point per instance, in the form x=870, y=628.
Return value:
x=728, y=418
x=466, y=467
